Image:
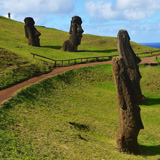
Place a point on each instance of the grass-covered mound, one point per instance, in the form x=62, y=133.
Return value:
x=75, y=116
x=14, y=68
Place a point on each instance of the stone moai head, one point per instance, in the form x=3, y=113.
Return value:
x=9, y=15
x=125, y=49
x=131, y=61
x=127, y=80
x=75, y=35
x=29, y=21
x=31, y=32
x=76, y=30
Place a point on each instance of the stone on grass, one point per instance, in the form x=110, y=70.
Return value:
x=127, y=80
x=75, y=35
x=31, y=32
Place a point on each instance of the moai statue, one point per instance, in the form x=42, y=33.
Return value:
x=125, y=50
x=125, y=75
x=9, y=15
x=31, y=32
x=75, y=35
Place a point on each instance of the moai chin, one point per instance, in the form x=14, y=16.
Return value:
x=75, y=35
x=31, y=32
x=126, y=74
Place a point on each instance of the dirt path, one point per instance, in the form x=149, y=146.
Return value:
x=6, y=94
x=149, y=60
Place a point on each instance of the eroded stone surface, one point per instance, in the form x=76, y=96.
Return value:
x=31, y=32
x=127, y=79
x=75, y=35
x=131, y=60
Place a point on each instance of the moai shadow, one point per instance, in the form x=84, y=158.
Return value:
x=31, y=32
x=75, y=35
x=127, y=79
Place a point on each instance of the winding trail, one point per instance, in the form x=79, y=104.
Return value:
x=8, y=93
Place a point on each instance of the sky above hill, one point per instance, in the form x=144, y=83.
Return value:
x=141, y=18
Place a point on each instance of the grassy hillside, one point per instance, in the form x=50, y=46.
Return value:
x=17, y=64
x=74, y=116
x=13, y=39
x=15, y=68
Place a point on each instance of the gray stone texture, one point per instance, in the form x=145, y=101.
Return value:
x=75, y=35
x=31, y=32
x=127, y=80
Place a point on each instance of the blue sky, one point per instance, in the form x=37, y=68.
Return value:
x=141, y=18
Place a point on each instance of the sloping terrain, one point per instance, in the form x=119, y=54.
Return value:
x=13, y=39
x=74, y=116
x=15, y=68
x=71, y=116
x=21, y=65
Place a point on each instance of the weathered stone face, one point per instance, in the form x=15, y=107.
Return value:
x=127, y=80
x=131, y=60
x=125, y=49
x=31, y=32
x=76, y=30
x=75, y=35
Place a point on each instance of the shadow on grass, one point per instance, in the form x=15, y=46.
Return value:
x=149, y=150
x=80, y=126
x=152, y=101
x=52, y=47
x=100, y=51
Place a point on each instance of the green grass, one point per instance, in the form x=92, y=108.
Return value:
x=157, y=59
x=13, y=39
x=14, y=68
x=15, y=45
x=75, y=116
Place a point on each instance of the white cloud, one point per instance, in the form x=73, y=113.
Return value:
x=100, y=9
x=123, y=4
x=122, y=9
x=36, y=6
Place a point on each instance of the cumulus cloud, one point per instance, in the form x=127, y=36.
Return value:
x=36, y=6
x=122, y=9
x=101, y=9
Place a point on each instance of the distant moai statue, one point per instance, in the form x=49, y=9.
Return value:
x=126, y=75
x=31, y=32
x=9, y=15
x=75, y=35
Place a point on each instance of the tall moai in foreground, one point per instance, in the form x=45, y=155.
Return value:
x=75, y=37
x=125, y=50
x=127, y=80
x=31, y=32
